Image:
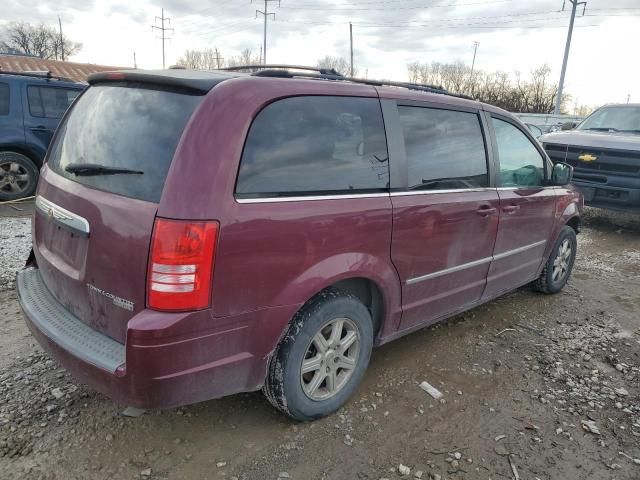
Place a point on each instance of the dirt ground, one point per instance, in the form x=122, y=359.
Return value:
x=535, y=387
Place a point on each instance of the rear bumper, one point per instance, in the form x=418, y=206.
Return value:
x=616, y=193
x=156, y=368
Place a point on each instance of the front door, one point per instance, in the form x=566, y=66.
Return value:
x=527, y=207
x=445, y=217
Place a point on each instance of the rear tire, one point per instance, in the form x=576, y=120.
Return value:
x=18, y=176
x=322, y=357
x=557, y=270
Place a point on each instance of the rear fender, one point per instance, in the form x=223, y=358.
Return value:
x=346, y=266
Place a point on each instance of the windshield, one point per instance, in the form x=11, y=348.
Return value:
x=619, y=118
x=121, y=139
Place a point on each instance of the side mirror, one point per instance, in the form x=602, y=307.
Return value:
x=561, y=174
x=568, y=126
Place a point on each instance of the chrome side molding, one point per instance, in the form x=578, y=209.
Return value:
x=62, y=216
x=475, y=263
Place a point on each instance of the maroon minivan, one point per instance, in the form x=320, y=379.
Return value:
x=199, y=234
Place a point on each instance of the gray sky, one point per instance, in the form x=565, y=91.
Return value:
x=514, y=35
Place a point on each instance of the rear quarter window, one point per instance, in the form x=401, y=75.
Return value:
x=315, y=145
x=126, y=127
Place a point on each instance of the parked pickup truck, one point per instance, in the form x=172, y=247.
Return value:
x=604, y=150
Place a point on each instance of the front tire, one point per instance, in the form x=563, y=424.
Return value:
x=557, y=270
x=18, y=176
x=322, y=357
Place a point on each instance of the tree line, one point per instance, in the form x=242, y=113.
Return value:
x=41, y=41
x=212, y=59
x=513, y=92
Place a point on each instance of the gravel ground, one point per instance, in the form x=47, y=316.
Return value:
x=534, y=387
x=15, y=243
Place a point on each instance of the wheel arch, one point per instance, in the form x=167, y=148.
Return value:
x=372, y=280
x=574, y=222
x=31, y=155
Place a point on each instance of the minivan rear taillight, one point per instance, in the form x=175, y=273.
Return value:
x=180, y=272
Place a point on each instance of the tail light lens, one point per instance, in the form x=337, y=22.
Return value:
x=180, y=273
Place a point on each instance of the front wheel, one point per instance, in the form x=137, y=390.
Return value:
x=558, y=268
x=322, y=358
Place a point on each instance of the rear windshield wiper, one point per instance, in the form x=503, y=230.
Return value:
x=87, y=169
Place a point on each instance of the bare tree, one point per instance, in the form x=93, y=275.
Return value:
x=339, y=64
x=38, y=40
x=207, y=59
x=246, y=57
x=535, y=95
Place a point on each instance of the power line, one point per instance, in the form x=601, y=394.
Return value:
x=546, y=16
x=574, y=6
x=266, y=15
x=162, y=29
x=367, y=24
x=438, y=25
x=217, y=6
x=350, y=9
x=219, y=28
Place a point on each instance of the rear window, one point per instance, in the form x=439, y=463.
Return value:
x=124, y=127
x=315, y=145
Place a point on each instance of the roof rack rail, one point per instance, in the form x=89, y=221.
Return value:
x=279, y=68
x=283, y=71
x=409, y=85
x=46, y=74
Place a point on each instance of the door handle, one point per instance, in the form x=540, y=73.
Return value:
x=485, y=211
x=40, y=128
x=511, y=208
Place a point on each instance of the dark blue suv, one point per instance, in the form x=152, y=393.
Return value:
x=31, y=106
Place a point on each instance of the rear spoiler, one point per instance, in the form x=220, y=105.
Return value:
x=193, y=80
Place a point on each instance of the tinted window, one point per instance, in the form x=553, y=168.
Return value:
x=521, y=165
x=4, y=99
x=50, y=102
x=315, y=144
x=445, y=149
x=118, y=126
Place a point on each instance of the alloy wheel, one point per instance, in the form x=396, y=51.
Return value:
x=562, y=261
x=14, y=178
x=330, y=359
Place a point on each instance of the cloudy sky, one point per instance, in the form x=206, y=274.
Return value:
x=514, y=35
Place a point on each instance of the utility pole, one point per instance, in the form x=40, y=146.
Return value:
x=574, y=6
x=61, y=38
x=473, y=63
x=266, y=15
x=628, y=97
x=162, y=29
x=217, y=58
x=135, y=63
x=351, y=43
